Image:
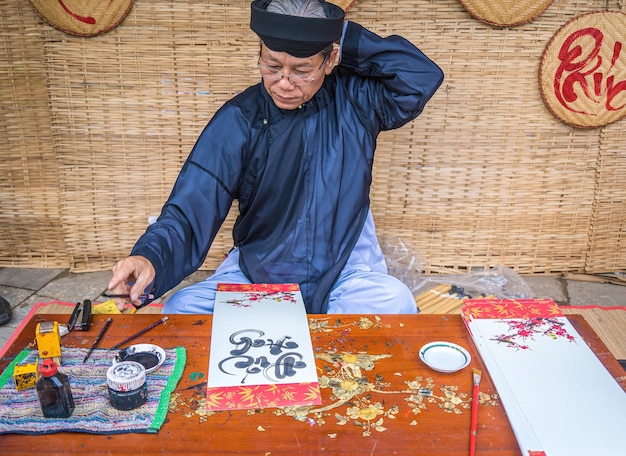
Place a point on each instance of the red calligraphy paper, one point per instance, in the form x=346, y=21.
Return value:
x=261, y=354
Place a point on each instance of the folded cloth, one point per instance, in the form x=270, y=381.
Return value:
x=21, y=411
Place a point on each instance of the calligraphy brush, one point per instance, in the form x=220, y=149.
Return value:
x=126, y=295
x=137, y=334
x=474, y=426
x=95, y=342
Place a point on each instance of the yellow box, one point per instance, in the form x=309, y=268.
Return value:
x=26, y=376
x=48, y=339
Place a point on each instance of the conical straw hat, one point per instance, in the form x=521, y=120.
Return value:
x=82, y=17
x=582, y=74
x=505, y=13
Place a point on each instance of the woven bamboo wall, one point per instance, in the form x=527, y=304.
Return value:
x=94, y=131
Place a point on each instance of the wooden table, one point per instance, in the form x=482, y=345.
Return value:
x=412, y=422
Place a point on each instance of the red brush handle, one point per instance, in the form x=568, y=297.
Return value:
x=474, y=425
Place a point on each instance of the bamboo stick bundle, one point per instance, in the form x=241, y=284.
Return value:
x=457, y=310
x=444, y=298
x=428, y=308
x=441, y=304
x=431, y=296
x=434, y=304
x=448, y=304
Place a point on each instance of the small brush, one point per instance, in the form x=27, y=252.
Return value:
x=95, y=342
x=474, y=426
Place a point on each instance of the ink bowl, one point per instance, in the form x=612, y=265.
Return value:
x=149, y=356
x=445, y=357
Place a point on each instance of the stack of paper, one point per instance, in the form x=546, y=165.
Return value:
x=559, y=398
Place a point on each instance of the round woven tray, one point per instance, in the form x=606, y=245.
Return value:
x=505, y=13
x=83, y=18
x=582, y=74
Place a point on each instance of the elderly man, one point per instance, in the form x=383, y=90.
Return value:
x=296, y=151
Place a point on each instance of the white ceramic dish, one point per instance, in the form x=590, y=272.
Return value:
x=148, y=355
x=445, y=356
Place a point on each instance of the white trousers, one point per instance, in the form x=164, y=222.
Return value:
x=363, y=287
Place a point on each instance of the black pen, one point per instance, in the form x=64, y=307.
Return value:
x=144, y=298
x=114, y=295
x=137, y=334
x=95, y=342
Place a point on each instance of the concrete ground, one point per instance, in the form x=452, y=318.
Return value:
x=24, y=287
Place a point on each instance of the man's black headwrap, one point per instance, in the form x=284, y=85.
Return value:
x=296, y=35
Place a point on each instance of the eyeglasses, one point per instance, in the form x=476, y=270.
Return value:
x=298, y=79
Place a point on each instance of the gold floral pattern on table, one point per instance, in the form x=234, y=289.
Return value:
x=317, y=325
x=358, y=401
x=358, y=396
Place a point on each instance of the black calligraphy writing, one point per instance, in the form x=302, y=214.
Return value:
x=253, y=354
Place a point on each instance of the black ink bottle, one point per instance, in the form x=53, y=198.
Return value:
x=53, y=389
x=127, y=385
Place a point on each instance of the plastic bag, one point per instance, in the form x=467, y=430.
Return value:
x=404, y=264
x=499, y=282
